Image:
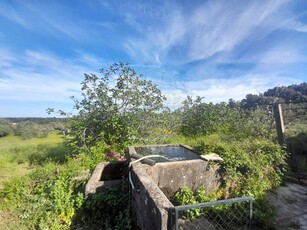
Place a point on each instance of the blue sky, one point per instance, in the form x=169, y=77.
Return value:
x=216, y=49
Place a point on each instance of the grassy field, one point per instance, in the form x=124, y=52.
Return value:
x=17, y=155
x=17, y=158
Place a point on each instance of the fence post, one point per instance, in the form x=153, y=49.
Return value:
x=279, y=122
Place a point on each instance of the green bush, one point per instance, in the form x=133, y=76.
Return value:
x=199, y=118
x=250, y=167
x=109, y=209
x=47, y=197
x=29, y=129
x=5, y=128
x=264, y=213
x=185, y=196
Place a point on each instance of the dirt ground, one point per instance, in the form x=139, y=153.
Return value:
x=291, y=206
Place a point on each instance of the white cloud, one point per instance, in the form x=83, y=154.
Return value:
x=208, y=29
x=6, y=58
x=281, y=57
x=221, y=26
x=219, y=90
x=41, y=18
x=39, y=76
x=157, y=42
x=10, y=13
x=296, y=25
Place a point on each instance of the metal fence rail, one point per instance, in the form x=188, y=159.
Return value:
x=235, y=213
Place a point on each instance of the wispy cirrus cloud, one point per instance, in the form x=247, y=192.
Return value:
x=50, y=18
x=219, y=29
x=205, y=30
x=219, y=49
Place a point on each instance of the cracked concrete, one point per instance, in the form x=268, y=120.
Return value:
x=290, y=202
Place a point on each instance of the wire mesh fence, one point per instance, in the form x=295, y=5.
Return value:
x=233, y=213
x=294, y=112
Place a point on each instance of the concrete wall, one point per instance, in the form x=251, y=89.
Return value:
x=104, y=175
x=150, y=204
x=157, y=184
x=172, y=176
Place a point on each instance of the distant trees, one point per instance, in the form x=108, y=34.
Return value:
x=199, y=118
x=29, y=129
x=289, y=94
x=5, y=127
x=282, y=94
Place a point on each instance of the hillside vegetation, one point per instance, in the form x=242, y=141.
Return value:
x=119, y=109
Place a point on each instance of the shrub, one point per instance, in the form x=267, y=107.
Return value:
x=199, y=118
x=109, y=209
x=5, y=128
x=29, y=129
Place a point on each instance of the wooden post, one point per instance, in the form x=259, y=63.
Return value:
x=279, y=122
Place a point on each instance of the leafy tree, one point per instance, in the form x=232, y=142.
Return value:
x=110, y=104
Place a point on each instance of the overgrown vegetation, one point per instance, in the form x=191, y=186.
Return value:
x=117, y=109
x=5, y=128
x=110, y=105
x=27, y=129
x=109, y=209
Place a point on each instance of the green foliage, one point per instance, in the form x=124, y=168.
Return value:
x=18, y=156
x=185, y=196
x=157, y=128
x=15, y=192
x=250, y=166
x=45, y=153
x=51, y=196
x=5, y=128
x=120, y=108
x=108, y=209
x=295, y=94
x=200, y=118
x=264, y=213
x=298, y=143
x=29, y=129
x=220, y=213
x=110, y=105
x=48, y=194
x=48, y=197
x=92, y=156
x=201, y=196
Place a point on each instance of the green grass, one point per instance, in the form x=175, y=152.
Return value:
x=17, y=155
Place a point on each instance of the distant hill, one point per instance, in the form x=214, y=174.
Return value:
x=293, y=94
